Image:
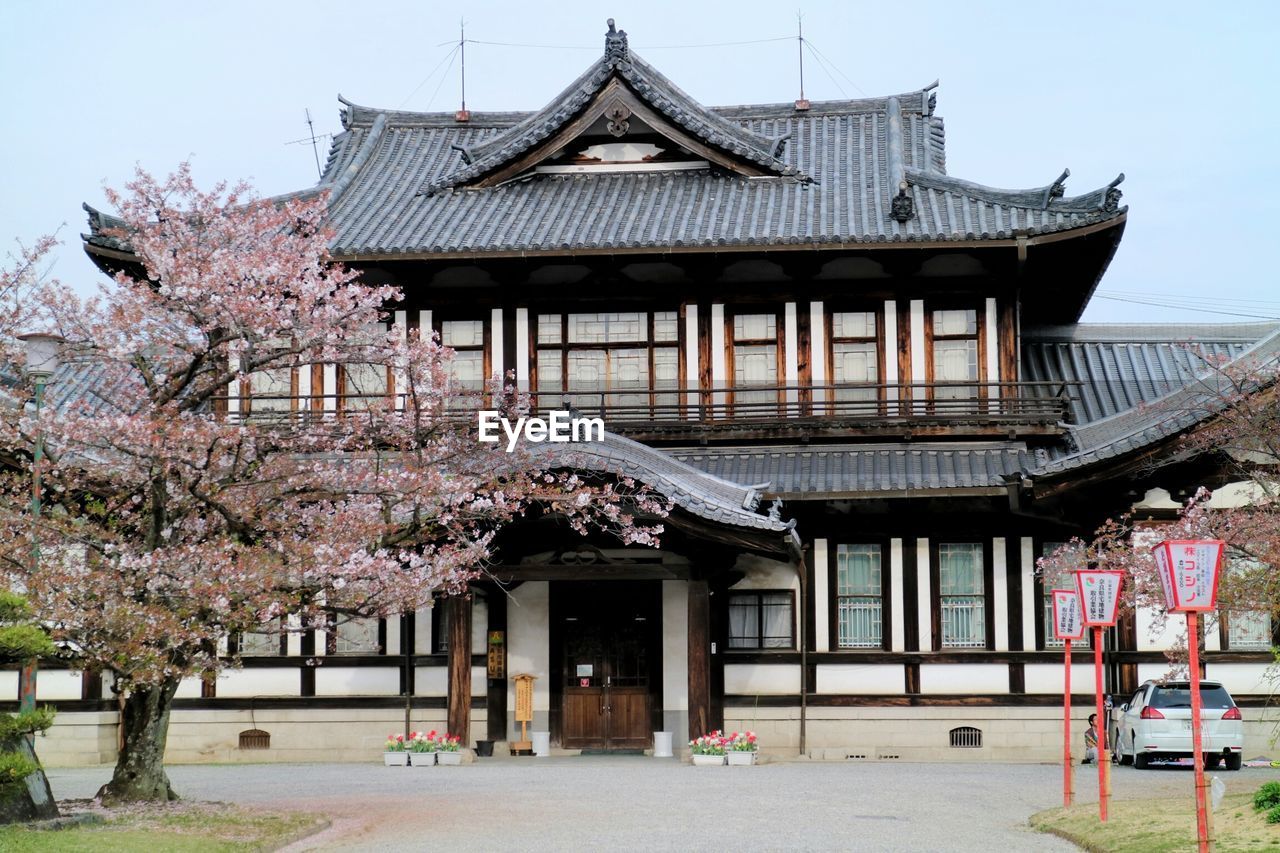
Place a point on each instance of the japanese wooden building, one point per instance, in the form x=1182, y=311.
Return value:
x=861, y=379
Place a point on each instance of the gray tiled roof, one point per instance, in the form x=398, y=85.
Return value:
x=864, y=470
x=397, y=181
x=690, y=487
x=1143, y=384
x=1122, y=366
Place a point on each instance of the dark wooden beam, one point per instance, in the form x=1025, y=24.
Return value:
x=459, y=704
x=699, y=658
x=496, y=697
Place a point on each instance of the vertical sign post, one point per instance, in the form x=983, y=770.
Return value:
x=1067, y=626
x=524, y=711
x=1189, y=571
x=1099, y=593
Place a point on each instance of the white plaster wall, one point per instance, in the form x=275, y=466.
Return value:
x=430, y=681
x=762, y=573
x=188, y=688
x=258, y=682
x=496, y=363
x=1000, y=592
x=897, y=601
x=860, y=678
x=817, y=343
x=54, y=685
x=791, y=356
x=924, y=601
x=964, y=678
x=528, y=627
x=917, y=341
x=1150, y=671
x=522, y=349
x=1155, y=631
x=821, y=579
x=675, y=645
x=691, y=366
x=1028, y=593
x=479, y=626
x=761, y=679
x=358, y=681
x=1047, y=678
x=1241, y=678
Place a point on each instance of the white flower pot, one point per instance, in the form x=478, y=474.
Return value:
x=395, y=759
x=449, y=759
x=423, y=759
x=708, y=760
x=742, y=759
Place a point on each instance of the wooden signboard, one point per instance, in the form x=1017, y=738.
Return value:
x=524, y=711
x=497, y=655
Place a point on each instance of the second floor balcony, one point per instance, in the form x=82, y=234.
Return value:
x=752, y=413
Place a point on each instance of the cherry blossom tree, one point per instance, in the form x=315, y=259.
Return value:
x=1232, y=413
x=182, y=516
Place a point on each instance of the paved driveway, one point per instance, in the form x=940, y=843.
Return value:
x=633, y=803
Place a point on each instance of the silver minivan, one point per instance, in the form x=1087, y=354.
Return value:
x=1156, y=724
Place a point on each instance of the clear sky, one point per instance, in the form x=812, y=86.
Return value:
x=1178, y=96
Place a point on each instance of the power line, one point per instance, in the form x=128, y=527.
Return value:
x=1210, y=300
x=823, y=57
x=1197, y=309
x=448, y=56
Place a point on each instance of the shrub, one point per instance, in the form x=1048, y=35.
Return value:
x=1268, y=797
x=1273, y=816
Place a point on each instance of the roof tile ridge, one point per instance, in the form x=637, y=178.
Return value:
x=362, y=156
x=1048, y=197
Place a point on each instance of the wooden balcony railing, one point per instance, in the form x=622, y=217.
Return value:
x=941, y=408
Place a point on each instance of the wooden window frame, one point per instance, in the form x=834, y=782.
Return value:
x=564, y=346
x=833, y=596
x=439, y=318
x=759, y=595
x=246, y=392
x=340, y=385
x=935, y=592
x=234, y=641
x=731, y=312
x=980, y=316
x=330, y=627
x=1043, y=629
x=877, y=311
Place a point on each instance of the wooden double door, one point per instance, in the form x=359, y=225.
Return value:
x=609, y=637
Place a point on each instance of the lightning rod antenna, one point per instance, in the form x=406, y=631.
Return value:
x=462, y=114
x=803, y=102
x=315, y=151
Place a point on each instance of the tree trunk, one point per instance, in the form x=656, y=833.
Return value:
x=28, y=800
x=139, y=773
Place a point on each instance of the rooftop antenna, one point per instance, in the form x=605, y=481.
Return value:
x=463, y=114
x=803, y=102
x=313, y=139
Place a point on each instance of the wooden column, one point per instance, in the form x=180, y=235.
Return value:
x=700, y=713
x=459, y=625
x=496, y=698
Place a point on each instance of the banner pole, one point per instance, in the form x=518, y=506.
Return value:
x=1068, y=795
x=1104, y=757
x=1202, y=808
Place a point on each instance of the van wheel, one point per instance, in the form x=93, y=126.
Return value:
x=1141, y=760
x=1234, y=760
x=1124, y=759
x=1211, y=762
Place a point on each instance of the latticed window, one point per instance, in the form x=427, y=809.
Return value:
x=1247, y=630
x=855, y=358
x=261, y=643
x=356, y=636
x=859, y=597
x=621, y=359
x=1046, y=603
x=466, y=339
x=755, y=362
x=954, y=340
x=761, y=620
x=962, y=595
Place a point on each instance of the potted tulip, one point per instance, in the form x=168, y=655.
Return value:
x=393, y=752
x=448, y=749
x=422, y=747
x=708, y=750
x=742, y=748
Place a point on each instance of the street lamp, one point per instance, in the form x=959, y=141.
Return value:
x=42, y=363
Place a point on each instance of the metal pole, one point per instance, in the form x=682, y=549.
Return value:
x=1104, y=757
x=1068, y=795
x=1202, y=807
x=27, y=679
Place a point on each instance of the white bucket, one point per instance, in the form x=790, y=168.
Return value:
x=541, y=743
x=662, y=744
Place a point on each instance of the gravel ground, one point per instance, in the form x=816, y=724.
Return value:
x=637, y=803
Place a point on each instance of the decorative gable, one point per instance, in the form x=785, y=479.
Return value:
x=620, y=115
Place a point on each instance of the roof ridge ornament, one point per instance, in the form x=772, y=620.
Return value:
x=615, y=44
x=1057, y=189
x=1111, y=203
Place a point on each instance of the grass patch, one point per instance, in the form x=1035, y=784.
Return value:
x=1154, y=826
x=179, y=827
